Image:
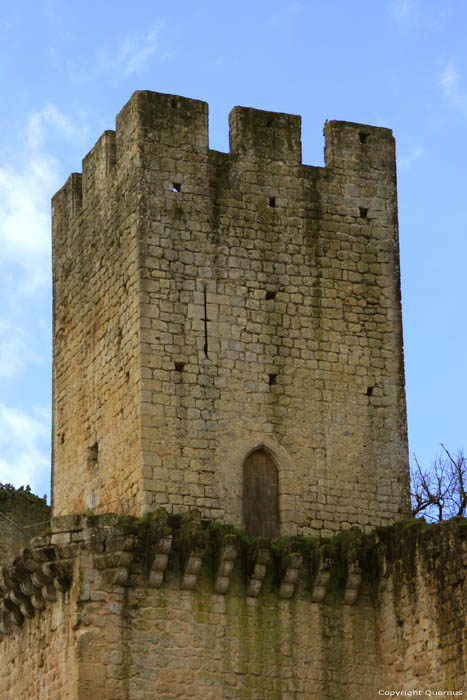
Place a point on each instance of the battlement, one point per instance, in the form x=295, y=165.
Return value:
x=178, y=126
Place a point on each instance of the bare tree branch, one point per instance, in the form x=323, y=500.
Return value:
x=440, y=492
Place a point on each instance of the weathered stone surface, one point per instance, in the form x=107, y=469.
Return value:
x=227, y=336
x=99, y=639
x=207, y=305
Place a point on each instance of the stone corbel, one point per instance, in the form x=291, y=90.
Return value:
x=192, y=567
x=352, y=585
x=194, y=541
x=228, y=556
x=116, y=563
x=22, y=601
x=7, y=606
x=259, y=572
x=49, y=592
x=292, y=570
x=124, y=562
x=321, y=581
x=161, y=558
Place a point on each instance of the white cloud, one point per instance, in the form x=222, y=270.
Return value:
x=450, y=82
x=134, y=53
x=23, y=437
x=408, y=159
x=26, y=185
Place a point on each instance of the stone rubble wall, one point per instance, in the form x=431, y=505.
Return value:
x=209, y=304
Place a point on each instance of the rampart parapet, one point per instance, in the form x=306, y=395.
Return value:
x=121, y=605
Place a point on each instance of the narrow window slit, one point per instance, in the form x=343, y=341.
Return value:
x=369, y=390
x=205, y=319
x=93, y=455
x=363, y=212
x=363, y=137
x=272, y=201
x=272, y=379
x=176, y=187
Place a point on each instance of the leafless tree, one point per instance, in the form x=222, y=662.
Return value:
x=440, y=492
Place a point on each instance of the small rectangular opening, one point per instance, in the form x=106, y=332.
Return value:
x=93, y=454
x=176, y=187
x=179, y=366
x=270, y=295
x=363, y=137
x=272, y=379
x=369, y=390
x=363, y=212
x=272, y=201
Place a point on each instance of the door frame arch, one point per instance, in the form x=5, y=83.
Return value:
x=260, y=494
x=229, y=459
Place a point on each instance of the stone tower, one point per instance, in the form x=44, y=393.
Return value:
x=227, y=326
x=228, y=345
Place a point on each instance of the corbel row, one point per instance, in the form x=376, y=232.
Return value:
x=292, y=566
x=34, y=579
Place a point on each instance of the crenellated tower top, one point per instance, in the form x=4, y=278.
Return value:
x=227, y=327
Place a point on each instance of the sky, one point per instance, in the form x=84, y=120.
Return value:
x=66, y=70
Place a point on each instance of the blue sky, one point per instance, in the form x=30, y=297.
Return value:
x=68, y=68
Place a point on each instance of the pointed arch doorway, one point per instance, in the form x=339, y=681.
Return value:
x=261, y=495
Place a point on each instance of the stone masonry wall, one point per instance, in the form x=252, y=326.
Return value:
x=175, y=607
x=96, y=370
x=169, y=609
x=38, y=660
x=38, y=623
x=423, y=611
x=210, y=304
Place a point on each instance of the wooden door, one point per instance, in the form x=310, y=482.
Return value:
x=260, y=496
